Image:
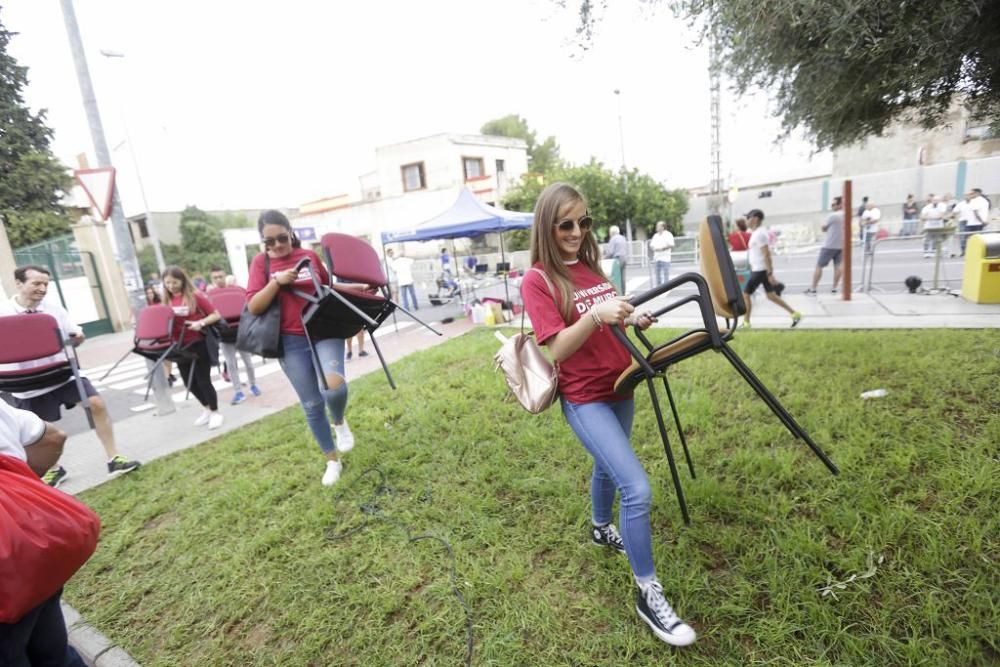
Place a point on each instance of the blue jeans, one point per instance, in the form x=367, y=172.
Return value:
x=297, y=363
x=39, y=638
x=662, y=272
x=409, y=293
x=604, y=429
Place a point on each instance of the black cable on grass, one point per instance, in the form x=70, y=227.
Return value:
x=372, y=512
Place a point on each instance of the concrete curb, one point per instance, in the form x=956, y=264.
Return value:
x=95, y=649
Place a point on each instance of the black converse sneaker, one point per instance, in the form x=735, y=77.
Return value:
x=607, y=536
x=660, y=617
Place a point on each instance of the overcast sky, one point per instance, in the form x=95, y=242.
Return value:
x=261, y=104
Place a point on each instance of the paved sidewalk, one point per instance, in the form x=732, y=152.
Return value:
x=148, y=437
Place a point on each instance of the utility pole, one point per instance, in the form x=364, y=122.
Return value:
x=124, y=248
x=714, y=87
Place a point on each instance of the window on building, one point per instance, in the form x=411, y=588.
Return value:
x=414, y=177
x=143, y=228
x=500, y=167
x=473, y=167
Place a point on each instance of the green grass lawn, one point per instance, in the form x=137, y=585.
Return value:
x=222, y=555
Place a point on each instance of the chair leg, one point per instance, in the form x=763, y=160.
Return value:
x=415, y=318
x=385, y=366
x=669, y=452
x=677, y=422
x=777, y=408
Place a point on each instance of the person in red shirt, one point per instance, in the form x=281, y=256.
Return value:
x=573, y=306
x=192, y=313
x=273, y=276
x=739, y=239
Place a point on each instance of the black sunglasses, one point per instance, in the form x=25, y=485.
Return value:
x=585, y=223
x=280, y=238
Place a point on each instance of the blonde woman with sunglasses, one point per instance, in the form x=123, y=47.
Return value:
x=573, y=307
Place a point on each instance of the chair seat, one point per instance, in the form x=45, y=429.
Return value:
x=38, y=377
x=661, y=357
x=331, y=318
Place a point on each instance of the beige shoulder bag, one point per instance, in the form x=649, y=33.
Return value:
x=532, y=378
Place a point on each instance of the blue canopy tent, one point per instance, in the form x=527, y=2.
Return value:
x=467, y=218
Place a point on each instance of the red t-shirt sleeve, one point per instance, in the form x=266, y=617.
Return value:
x=205, y=307
x=541, y=306
x=257, y=279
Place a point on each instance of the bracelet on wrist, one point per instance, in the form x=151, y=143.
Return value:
x=596, y=318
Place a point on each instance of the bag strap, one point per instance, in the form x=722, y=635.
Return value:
x=552, y=292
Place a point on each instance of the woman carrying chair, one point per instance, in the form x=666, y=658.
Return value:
x=273, y=276
x=192, y=313
x=574, y=319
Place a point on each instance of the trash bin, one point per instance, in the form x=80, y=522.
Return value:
x=981, y=279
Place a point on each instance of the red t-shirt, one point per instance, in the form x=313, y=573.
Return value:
x=182, y=315
x=291, y=305
x=588, y=375
x=739, y=240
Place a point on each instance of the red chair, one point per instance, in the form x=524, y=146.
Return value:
x=230, y=302
x=341, y=312
x=34, y=339
x=154, y=340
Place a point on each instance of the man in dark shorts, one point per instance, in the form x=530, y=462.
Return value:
x=833, y=246
x=762, y=269
x=32, y=284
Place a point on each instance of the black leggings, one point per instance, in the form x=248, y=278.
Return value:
x=201, y=383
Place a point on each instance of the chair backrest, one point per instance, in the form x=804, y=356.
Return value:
x=352, y=260
x=29, y=336
x=155, y=323
x=229, y=301
x=718, y=270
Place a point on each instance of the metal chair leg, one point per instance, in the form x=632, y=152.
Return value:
x=666, y=448
x=777, y=408
x=677, y=422
x=385, y=366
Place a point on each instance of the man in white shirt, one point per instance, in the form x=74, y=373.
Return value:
x=662, y=245
x=762, y=268
x=933, y=216
x=32, y=284
x=870, y=224
x=402, y=266
x=972, y=214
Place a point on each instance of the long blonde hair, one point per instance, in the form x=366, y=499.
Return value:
x=187, y=289
x=545, y=250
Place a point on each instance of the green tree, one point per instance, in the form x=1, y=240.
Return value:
x=542, y=157
x=843, y=70
x=646, y=203
x=32, y=181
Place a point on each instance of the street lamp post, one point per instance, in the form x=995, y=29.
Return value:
x=154, y=237
x=621, y=141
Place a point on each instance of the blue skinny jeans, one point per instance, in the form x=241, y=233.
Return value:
x=604, y=429
x=297, y=363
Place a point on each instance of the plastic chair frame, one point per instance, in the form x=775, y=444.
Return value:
x=716, y=340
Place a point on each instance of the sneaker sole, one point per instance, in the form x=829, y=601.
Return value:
x=122, y=471
x=58, y=482
x=664, y=636
x=607, y=546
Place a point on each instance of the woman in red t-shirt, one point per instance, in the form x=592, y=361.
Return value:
x=272, y=276
x=572, y=306
x=192, y=313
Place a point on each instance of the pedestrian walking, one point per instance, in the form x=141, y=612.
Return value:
x=231, y=370
x=662, y=245
x=833, y=246
x=573, y=307
x=762, y=269
x=617, y=248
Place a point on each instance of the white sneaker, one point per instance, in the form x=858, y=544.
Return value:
x=345, y=439
x=654, y=609
x=203, y=419
x=215, y=421
x=332, y=473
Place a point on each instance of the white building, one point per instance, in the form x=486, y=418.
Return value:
x=412, y=182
